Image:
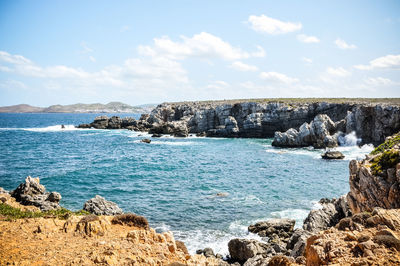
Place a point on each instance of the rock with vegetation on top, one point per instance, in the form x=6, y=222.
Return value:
x=100, y=206
x=332, y=155
x=375, y=181
x=33, y=193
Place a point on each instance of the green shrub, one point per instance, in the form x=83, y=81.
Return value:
x=387, y=144
x=11, y=213
x=388, y=159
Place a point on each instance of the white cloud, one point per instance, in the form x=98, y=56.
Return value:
x=338, y=72
x=151, y=72
x=203, y=45
x=277, y=77
x=344, y=45
x=259, y=53
x=307, y=39
x=92, y=58
x=307, y=60
x=272, y=26
x=218, y=85
x=384, y=62
x=240, y=66
x=379, y=81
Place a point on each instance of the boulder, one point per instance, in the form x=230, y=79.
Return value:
x=281, y=227
x=100, y=206
x=330, y=214
x=146, y=140
x=31, y=192
x=332, y=155
x=241, y=250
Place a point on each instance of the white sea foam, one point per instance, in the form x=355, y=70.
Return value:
x=349, y=139
x=215, y=239
x=54, y=128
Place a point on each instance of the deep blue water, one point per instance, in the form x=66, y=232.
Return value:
x=172, y=181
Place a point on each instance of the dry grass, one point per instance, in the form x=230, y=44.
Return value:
x=131, y=219
x=395, y=101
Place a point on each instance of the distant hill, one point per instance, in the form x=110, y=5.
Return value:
x=112, y=107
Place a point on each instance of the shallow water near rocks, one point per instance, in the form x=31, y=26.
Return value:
x=205, y=190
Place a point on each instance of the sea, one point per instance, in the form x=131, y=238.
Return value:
x=205, y=190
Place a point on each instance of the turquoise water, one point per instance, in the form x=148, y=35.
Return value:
x=173, y=182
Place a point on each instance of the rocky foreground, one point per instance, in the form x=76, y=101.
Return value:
x=360, y=228
x=293, y=124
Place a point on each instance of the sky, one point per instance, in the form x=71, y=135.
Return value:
x=140, y=52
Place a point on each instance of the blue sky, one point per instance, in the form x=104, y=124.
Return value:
x=137, y=52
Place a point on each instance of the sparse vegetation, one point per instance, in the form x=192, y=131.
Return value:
x=388, y=144
x=388, y=159
x=11, y=213
x=89, y=218
x=294, y=101
x=131, y=219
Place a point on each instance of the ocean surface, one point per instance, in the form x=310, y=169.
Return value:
x=173, y=182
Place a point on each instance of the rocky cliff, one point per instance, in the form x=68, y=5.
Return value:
x=375, y=181
x=261, y=119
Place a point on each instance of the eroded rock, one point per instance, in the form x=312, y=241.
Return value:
x=100, y=206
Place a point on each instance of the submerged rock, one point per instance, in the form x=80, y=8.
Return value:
x=100, y=206
x=332, y=155
x=146, y=140
x=31, y=192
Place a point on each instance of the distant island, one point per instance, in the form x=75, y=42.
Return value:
x=112, y=107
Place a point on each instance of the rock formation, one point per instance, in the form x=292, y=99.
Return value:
x=320, y=133
x=372, y=122
x=332, y=155
x=100, y=206
x=375, y=181
x=33, y=193
x=371, y=239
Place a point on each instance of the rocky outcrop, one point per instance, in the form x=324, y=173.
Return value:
x=372, y=239
x=100, y=206
x=375, y=181
x=372, y=122
x=332, y=155
x=90, y=240
x=329, y=215
x=241, y=250
x=31, y=192
x=319, y=134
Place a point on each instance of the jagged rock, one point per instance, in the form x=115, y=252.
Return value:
x=328, y=216
x=241, y=250
x=177, y=129
x=378, y=243
x=259, y=260
x=297, y=242
x=332, y=155
x=31, y=192
x=317, y=133
x=371, y=188
x=281, y=227
x=100, y=206
x=100, y=122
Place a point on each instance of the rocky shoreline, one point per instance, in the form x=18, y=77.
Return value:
x=317, y=124
x=360, y=228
